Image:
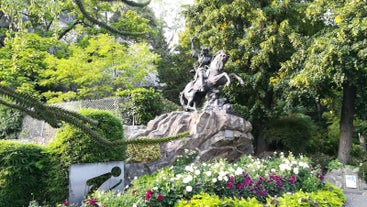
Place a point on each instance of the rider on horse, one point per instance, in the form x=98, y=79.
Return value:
x=204, y=59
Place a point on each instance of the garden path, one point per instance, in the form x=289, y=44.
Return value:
x=356, y=198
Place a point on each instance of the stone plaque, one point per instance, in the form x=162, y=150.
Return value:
x=88, y=177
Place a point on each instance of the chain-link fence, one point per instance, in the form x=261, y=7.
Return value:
x=38, y=131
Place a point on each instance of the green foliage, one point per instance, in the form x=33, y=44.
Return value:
x=23, y=172
x=10, y=122
x=335, y=164
x=143, y=153
x=22, y=61
x=204, y=199
x=291, y=133
x=72, y=146
x=362, y=172
x=328, y=196
x=142, y=105
x=113, y=65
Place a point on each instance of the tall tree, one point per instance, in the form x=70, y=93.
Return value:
x=259, y=36
x=334, y=59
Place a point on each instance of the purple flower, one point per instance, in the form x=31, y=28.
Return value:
x=292, y=179
x=231, y=179
x=230, y=185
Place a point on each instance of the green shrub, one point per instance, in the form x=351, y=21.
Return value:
x=10, y=122
x=23, y=168
x=291, y=133
x=142, y=105
x=329, y=196
x=362, y=173
x=72, y=146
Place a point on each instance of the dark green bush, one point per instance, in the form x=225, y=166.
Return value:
x=290, y=133
x=10, y=122
x=142, y=105
x=23, y=168
x=72, y=146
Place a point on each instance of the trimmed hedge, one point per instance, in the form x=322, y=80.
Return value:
x=23, y=168
x=142, y=105
x=72, y=146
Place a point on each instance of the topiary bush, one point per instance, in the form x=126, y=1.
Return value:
x=72, y=146
x=142, y=105
x=23, y=168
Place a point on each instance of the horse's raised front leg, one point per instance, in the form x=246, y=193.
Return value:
x=220, y=79
x=238, y=78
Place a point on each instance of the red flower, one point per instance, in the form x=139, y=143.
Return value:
x=148, y=195
x=320, y=176
x=92, y=201
x=133, y=191
x=160, y=197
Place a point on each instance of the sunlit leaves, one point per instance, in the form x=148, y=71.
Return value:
x=96, y=68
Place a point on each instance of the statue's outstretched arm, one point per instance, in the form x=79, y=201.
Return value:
x=195, y=54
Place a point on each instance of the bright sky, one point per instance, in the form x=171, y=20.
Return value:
x=169, y=11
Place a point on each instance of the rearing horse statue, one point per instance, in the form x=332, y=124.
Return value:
x=193, y=94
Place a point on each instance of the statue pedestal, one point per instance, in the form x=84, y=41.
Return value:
x=213, y=134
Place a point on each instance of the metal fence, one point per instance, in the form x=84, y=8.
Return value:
x=38, y=131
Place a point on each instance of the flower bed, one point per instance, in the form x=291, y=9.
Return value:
x=249, y=180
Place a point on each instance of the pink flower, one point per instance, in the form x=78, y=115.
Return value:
x=320, y=176
x=66, y=203
x=160, y=197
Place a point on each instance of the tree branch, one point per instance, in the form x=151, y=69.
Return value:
x=82, y=9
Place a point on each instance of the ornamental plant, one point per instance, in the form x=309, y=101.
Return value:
x=250, y=177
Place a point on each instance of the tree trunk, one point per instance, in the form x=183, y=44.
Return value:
x=346, y=123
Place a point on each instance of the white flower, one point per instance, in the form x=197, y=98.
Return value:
x=225, y=178
x=272, y=170
x=155, y=188
x=214, y=180
x=134, y=205
x=220, y=178
x=296, y=170
x=222, y=173
x=303, y=164
x=188, y=188
x=208, y=173
x=189, y=168
x=284, y=167
x=238, y=171
x=197, y=172
x=187, y=179
x=178, y=176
